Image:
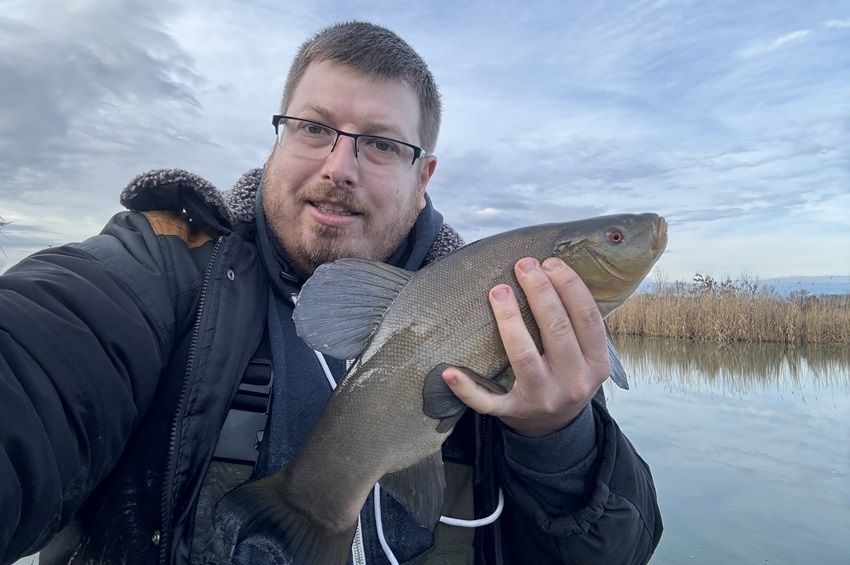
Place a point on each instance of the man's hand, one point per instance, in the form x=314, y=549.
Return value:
x=553, y=388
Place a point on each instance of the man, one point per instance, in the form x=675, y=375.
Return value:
x=131, y=361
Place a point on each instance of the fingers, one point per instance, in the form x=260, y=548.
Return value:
x=552, y=387
x=519, y=345
x=578, y=316
x=557, y=333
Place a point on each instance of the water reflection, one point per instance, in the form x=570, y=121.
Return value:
x=735, y=367
x=749, y=445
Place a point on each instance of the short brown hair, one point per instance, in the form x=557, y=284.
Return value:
x=373, y=50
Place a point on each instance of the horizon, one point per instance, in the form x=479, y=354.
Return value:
x=831, y=285
x=730, y=120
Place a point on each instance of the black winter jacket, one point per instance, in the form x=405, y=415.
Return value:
x=119, y=357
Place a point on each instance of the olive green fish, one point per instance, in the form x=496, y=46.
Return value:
x=389, y=416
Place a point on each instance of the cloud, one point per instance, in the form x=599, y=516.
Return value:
x=555, y=112
x=837, y=24
x=83, y=77
x=489, y=214
x=758, y=48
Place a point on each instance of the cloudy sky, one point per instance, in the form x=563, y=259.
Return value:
x=730, y=118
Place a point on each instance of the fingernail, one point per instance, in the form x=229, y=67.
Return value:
x=528, y=265
x=500, y=293
x=552, y=264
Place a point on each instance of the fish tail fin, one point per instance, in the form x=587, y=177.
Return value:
x=255, y=523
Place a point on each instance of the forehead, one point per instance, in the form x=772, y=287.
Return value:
x=352, y=99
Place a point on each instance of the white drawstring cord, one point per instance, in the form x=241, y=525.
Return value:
x=377, y=497
x=481, y=521
x=444, y=519
x=326, y=369
x=379, y=525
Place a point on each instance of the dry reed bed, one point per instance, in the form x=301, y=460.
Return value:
x=735, y=316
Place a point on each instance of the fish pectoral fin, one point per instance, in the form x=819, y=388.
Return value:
x=419, y=489
x=343, y=302
x=254, y=522
x=440, y=403
x=618, y=372
x=504, y=381
x=438, y=400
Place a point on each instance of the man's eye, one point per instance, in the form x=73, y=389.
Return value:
x=315, y=129
x=383, y=145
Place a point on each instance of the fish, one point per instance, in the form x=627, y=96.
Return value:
x=391, y=413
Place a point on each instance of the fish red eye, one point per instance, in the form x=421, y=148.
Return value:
x=616, y=237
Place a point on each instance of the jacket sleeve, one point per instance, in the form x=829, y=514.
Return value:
x=612, y=518
x=84, y=330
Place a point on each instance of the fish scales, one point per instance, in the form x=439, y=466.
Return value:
x=421, y=343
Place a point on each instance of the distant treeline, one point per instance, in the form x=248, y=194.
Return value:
x=710, y=310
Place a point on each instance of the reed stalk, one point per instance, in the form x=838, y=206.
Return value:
x=734, y=312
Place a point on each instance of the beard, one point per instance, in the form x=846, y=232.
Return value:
x=330, y=243
x=369, y=239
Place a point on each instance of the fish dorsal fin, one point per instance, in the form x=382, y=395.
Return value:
x=343, y=302
x=419, y=489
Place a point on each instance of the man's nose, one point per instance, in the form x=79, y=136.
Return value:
x=341, y=165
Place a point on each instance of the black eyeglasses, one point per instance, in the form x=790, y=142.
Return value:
x=312, y=140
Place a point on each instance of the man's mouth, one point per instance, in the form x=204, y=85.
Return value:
x=332, y=208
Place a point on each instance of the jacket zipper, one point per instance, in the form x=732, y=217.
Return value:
x=358, y=555
x=164, y=533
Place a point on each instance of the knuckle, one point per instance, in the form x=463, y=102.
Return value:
x=560, y=327
x=537, y=284
x=590, y=315
x=525, y=357
x=570, y=277
x=534, y=282
x=549, y=407
x=579, y=393
x=506, y=312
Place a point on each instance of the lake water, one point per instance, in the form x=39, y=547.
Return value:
x=749, y=446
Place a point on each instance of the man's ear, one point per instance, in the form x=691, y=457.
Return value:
x=425, y=172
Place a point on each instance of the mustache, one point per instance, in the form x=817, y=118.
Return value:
x=339, y=195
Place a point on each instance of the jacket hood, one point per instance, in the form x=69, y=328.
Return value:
x=181, y=192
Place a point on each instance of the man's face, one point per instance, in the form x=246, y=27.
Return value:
x=325, y=209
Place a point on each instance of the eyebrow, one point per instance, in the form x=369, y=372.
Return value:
x=370, y=128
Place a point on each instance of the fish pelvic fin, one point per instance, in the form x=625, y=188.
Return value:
x=341, y=305
x=618, y=372
x=419, y=489
x=256, y=525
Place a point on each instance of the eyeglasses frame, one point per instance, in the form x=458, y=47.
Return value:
x=417, y=151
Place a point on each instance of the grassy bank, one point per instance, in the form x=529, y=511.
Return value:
x=725, y=311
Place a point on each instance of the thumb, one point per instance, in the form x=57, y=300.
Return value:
x=474, y=395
